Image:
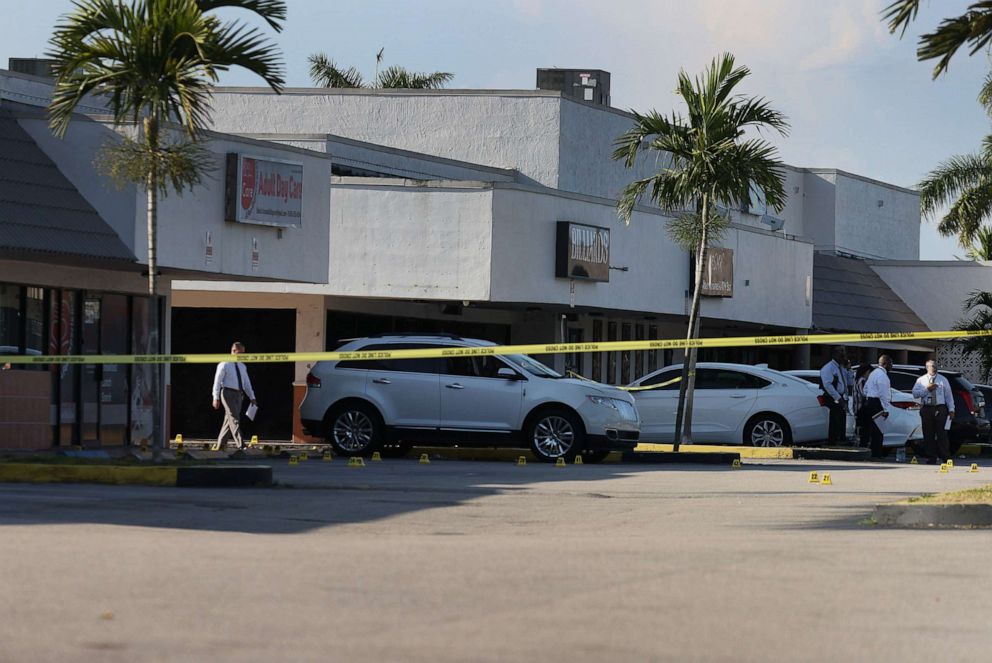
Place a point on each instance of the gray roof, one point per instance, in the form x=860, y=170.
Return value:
x=41, y=212
x=848, y=296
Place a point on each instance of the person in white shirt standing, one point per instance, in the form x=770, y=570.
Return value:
x=835, y=379
x=937, y=400
x=231, y=384
x=878, y=401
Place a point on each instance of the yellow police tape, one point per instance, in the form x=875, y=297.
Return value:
x=475, y=351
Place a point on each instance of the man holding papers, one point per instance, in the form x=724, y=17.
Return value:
x=878, y=402
x=937, y=400
x=231, y=384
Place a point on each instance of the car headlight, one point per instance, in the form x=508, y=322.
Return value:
x=603, y=400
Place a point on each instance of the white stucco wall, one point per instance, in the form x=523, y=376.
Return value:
x=184, y=220
x=819, y=206
x=514, y=130
x=524, y=255
x=410, y=241
x=770, y=276
x=935, y=290
x=877, y=220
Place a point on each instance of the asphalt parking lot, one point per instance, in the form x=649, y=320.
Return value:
x=486, y=561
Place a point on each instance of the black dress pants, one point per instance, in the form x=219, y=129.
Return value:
x=837, y=430
x=935, y=442
x=872, y=407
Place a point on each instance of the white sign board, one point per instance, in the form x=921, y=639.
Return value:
x=264, y=191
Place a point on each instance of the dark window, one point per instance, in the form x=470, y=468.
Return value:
x=639, y=356
x=718, y=378
x=664, y=376
x=473, y=367
x=611, y=362
x=428, y=365
x=652, y=354
x=597, y=357
x=625, y=330
x=902, y=381
x=10, y=319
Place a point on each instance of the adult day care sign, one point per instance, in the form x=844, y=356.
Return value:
x=266, y=192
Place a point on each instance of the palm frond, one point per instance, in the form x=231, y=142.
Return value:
x=272, y=11
x=325, y=73
x=967, y=214
x=952, y=177
x=399, y=77
x=180, y=165
x=900, y=14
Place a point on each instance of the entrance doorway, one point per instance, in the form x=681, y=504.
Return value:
x=212, y=330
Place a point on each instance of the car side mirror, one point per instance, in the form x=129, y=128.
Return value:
x=507, y=374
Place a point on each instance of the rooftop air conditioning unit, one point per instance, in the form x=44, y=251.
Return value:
x=773, y=223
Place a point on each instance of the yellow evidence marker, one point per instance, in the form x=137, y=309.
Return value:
x=327, y=456
x=560, y=462
x=826, y=480
x=974, y=467
x=736, y=465
x=943, y=468
x=578, y=459
x=950, y=463
x=254, y=441
x=304, y=456
x=356, y=461
x=293, y=460
x=425, y=459
x=376, y=457
x=179, y=439
x=521, y=461
x=914, y=461
x=814, y=477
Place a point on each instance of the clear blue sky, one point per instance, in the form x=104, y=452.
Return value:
x=855, y=95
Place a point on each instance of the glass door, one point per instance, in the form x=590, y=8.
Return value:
x=89, y=388
x=114, y=378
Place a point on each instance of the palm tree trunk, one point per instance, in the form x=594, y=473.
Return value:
x=683, y=424
x=151, y=127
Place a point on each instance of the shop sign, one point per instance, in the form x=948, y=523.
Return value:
x=718, y=273
x=264, y=191
x=582, y=252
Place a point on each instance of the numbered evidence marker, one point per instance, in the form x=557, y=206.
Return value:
x=950, y=463
x=521, y=461
x=560, y=462
x=327, y=456
x=814, y=477
x=974, y=467
x=826, y=480
x=376, y=457
x=736, y=465
x=425, y=459
x=914, y=461
x=293, y=460
x=943, y=468
x=356, y=461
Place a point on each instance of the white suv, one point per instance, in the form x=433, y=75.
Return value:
x=385, y=404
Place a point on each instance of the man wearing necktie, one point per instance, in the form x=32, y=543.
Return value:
x=937, y=404
x=835, y=378
x=231, y=384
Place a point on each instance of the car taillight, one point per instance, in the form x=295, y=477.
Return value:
x=313, y=382
x=906, y=405
x=969, y=403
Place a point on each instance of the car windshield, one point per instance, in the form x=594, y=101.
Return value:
x=534, y=367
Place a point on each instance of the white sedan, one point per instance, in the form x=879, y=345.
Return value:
x=733, y=404
x=904, y=417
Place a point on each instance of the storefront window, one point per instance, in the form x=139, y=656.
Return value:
x=10, y=319
x=625, y=355
x=113, y=377
x=34, y=324
x=597, y=357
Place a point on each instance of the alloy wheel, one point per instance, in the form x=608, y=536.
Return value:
x=767, y=433
x=353, y=431
x=553, y=436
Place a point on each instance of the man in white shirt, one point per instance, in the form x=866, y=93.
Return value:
x=231, y=384
x=937, y=400
x=878, y=402
x=835, y=380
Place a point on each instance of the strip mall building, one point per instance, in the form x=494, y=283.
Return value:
x=489, y=214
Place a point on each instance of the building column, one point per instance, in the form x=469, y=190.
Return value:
x=311, y=320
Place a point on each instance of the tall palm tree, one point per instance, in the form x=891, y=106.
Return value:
x=155, y=62
x=963, y=185
x=325, y=73
x=981, y=246
x=710, y=161
x=972, y=28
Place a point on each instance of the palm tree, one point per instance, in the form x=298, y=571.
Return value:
x=981, y=246
x=974, y=28
x=155, y=62
x=325, y=73
x=963, y=185
x=979, y=304
x=710, y=162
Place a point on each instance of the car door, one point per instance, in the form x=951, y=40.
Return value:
x=406, y=391
x=722, y=401
x=658, y=407
x=474, y=398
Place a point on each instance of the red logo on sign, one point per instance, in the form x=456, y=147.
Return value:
x=247, y=183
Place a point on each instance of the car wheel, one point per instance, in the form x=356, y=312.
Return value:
x=396, y=449
x=594, y=456
x=767, y=430
x=354, y=429
x=555, y=434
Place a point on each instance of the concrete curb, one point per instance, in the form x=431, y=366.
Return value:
x=832, y=454
x=124, y=475
x=933, y=515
